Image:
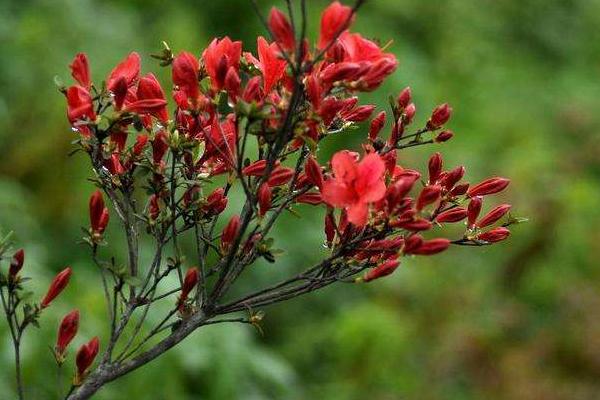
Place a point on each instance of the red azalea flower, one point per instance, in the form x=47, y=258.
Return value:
x=218, y=57
x=126, y=71
x=66, y=332
x=80, y=70
x=282, y=29
x=335, y=19
x=355, y=184
x=79, y=104
x=270, y=64
x=150, y=89
x=185, y=74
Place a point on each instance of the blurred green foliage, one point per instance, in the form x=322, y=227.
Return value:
x=515, y=321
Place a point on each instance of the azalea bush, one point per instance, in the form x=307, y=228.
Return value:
x=250, y=124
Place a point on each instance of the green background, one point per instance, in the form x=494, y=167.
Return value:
x=514, y=321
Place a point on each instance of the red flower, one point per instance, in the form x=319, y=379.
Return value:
x=355, y=184
x=185, y=74
x=58, y=284
x=80, y=70
x=149, y=90
x=218, y=57
x=335, y=19
x=85, y=357
x=473, y=211
x=280, y=176
x=313, y=172
x=430, y=247
x=429, y=194
x=79, y=104
x=98, y=213
x=16, y=263
x=127, y=71
x=282, y=30
x=270, y=64
x=66, y=332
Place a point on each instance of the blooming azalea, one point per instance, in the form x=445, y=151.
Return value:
x=355, y=184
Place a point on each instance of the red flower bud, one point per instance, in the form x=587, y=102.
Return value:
x=313, y=171
x=140, y=144
x=340, y=72
x=495, y=235
x=230, y=232
x=489, y=186
x=387, y=268
x=377, y=124
x=264, y=199
x=330, y=227
x=159, y=147
x=232, y=83
x=440, y=115
x=98, y=213
x=429, y=194
x=114, y=166
x=412, y=243
x=435, y=167
x=459, y=190
x=281, y=29
x=189, y=283
x=310, y=198
x=16, y=263
x=404, y=98
x=494, y=215
x=409, y=113
x=215, y=202
x=416, y=225
x=452, y=177
x=280, y=176
x=58, y=284
x=453, y=215
x=255, y=169
x=358, y=114
x=153, y=207
x=473, y=211
x=66, y=332
x=85, y=358
x=444, y=136
x=433, y=246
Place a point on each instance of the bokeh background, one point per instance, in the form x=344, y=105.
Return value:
x=519, y=320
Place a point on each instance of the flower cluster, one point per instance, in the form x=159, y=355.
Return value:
x=253, y=123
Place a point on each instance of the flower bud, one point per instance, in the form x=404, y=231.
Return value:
x=358, y=114
x=257, y=168
x=435, y=168
x=412, y=243
x=16, y=263
x=66, y=332
x=452, y=215
x=185, y=74
x=232, y=83
x=264, y=199
x=85, y=358
x=433, y=246
x=430, y=194
x=58, y=284
x=404, y=98
x=280, y=176
x=440, y=115
x=215, y=202
x=281, y=29
x=230, y=232
x=473, y=211
x=409, y=113
x=443, y=136
x=98, y=213
x=495, y=235
x=310, y=198
x=314, y=172
x=330, y=228
x=488, y=186
x=377, y=124
x=494, y=215
x=387, y=268
x=189, y=283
